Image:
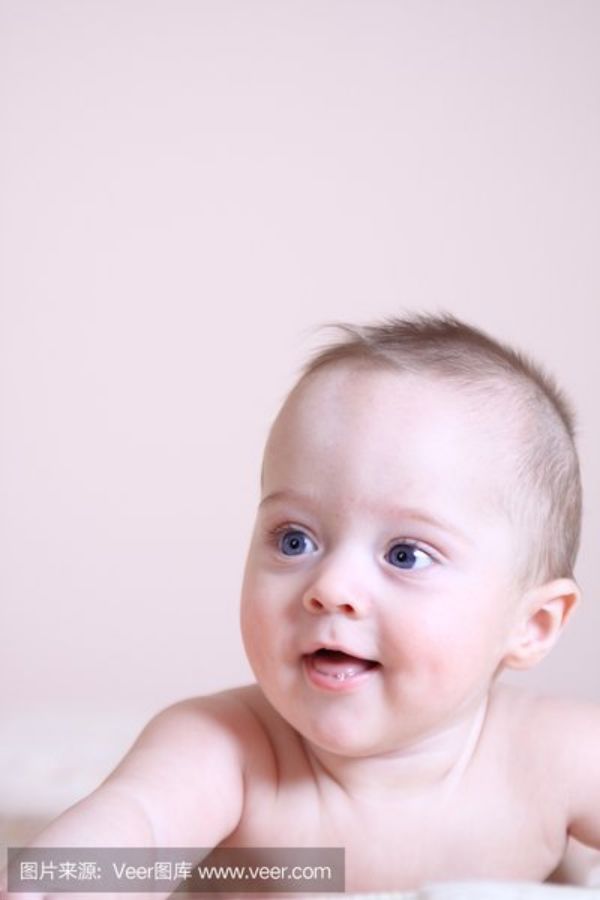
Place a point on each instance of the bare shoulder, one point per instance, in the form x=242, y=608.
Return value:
x=558, y=740
x=187, y=768
x=573, y=729
x=543, y=739
x=540, y=718
x=568, y=730
x=220, y=720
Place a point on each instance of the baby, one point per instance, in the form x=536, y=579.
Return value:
x=416, y=536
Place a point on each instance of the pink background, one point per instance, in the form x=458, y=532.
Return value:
x=187, y=188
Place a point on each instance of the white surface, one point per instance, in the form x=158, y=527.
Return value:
x=484, y=890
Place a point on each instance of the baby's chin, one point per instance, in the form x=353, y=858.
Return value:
x=350, y=745
x=335, y=730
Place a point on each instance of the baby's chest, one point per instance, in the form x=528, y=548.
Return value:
x=395, y=845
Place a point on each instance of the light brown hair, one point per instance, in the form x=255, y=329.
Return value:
x=544, y=498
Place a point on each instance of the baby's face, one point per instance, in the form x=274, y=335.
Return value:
x=379, y=534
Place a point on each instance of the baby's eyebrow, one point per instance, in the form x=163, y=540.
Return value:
x=289, y=494
x=390, y=510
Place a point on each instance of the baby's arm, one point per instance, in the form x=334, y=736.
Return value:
x=181, y=784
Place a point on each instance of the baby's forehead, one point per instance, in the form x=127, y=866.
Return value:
x=485, y=405
x=380, y=406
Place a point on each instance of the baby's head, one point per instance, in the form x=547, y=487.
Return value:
x=420, y=515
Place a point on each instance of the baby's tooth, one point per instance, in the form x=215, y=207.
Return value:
x=341, y=676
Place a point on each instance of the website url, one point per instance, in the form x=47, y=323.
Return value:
x=265, y=873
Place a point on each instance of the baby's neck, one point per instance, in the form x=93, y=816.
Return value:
x=435, y=763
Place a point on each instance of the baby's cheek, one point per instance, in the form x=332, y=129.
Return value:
x=257, y=648
x=250, y=619
x=260, y=622
x=446, y=651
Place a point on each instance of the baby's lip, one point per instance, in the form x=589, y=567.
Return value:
x=339, y=648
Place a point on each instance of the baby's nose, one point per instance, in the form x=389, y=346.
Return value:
x=319, y=600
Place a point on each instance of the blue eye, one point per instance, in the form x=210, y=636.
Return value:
x=408, y=556
x=294, y=543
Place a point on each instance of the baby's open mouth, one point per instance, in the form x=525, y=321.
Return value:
x=339, y=665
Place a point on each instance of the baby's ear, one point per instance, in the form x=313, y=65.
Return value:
x=544, y=613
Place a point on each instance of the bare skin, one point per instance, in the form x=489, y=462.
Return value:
x=379, y=605
x=491, y=813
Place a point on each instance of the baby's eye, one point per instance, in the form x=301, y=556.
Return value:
x=408, y=556
x=293, y=542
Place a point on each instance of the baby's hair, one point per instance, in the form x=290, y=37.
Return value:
x=545, y=499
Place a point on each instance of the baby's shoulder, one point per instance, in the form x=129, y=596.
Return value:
x=243, y=714
x=542, y=716
x=559, y=734
x=566, y=739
